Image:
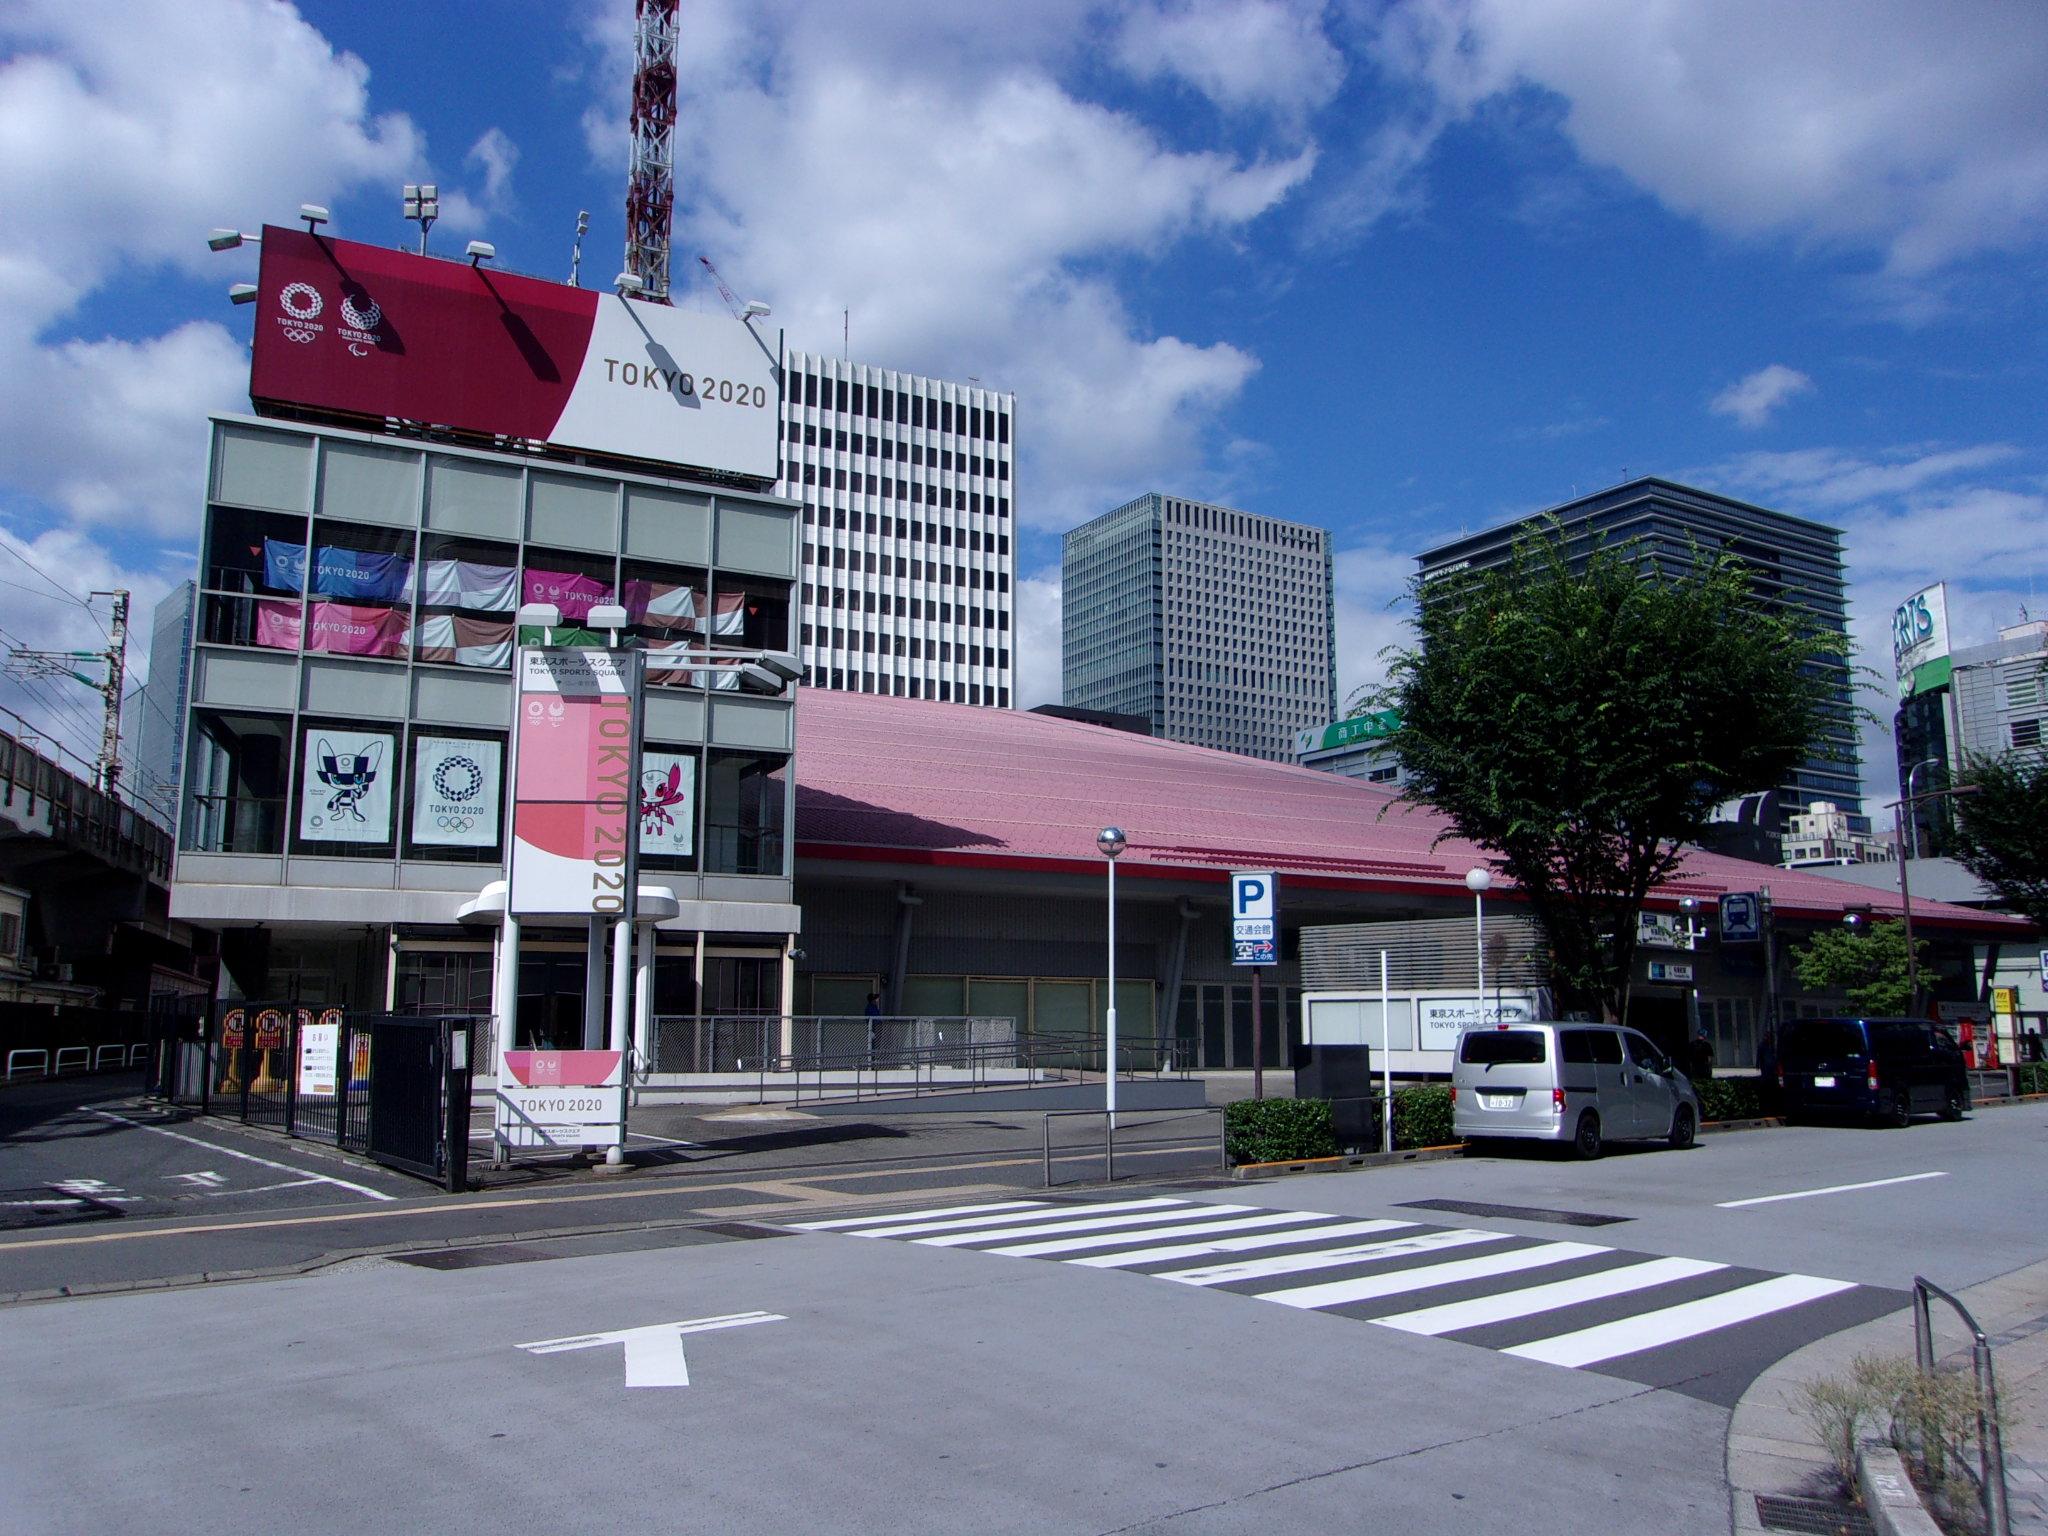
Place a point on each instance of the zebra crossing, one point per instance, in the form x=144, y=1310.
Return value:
x=1569, y=1303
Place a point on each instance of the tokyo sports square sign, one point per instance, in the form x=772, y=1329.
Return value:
x=575, y=782
x=377, y=333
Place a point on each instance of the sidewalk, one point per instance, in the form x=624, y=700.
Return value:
x=1771, y=1450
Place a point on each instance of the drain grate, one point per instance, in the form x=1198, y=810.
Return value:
x=1515, y=1212
x=1811, y=1517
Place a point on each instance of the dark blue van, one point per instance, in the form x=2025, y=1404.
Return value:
x=1882, y=1070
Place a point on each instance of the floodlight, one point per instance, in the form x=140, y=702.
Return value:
x=628, y=283
x=783, y=664
x=762, y=679
x=313, y=214
x=540, y=616
x=1111, y=841
x=481, y=250
x=242, y=293
x=223, y=239
x=609, y=616
x=755, y=310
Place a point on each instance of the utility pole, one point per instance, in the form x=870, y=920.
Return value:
x=25, y=663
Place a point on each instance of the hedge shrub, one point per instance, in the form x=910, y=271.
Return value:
x=1278, y=1130
x=1422, y=1116
x=2031, y=1078
x=1731, y=1098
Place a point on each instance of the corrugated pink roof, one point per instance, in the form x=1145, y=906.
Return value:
x=909, y=780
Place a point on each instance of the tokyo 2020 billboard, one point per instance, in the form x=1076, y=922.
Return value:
x=342, y=326
x=575, y=784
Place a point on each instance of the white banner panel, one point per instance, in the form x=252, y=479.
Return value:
x=345, y=786
x=457, y=792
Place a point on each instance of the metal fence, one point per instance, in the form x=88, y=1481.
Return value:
x=686, y=1043
x=1175, y=1141
x=314, y=1073
x=1990, y=1470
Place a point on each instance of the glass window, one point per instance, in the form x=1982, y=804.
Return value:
x=1497, y=1047
x=744, y=799
x=235, y=783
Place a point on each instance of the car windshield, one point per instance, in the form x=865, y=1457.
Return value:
x=1502, y=1047
x=1821, y=1040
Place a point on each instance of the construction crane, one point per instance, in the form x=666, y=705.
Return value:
x=25, y=663
x=650, y=182
x=731, y=299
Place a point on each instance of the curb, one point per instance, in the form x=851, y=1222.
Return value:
x=1889, y=1497
x=1252, y=1171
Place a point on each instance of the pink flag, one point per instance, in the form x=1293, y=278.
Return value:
x=278, y=624
x=353, y=629
x=575, y=595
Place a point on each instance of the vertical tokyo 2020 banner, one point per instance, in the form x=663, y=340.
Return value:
x=575, y=782
x=343, y=326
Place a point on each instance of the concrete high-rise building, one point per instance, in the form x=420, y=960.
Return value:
x=1212, y=623
x=909, y=560
x=1794, y=565
x=157, y=730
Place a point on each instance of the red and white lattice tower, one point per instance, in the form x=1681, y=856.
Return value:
x=650, y=186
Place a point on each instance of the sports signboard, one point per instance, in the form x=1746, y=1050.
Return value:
x=575, y=786
x=1920, y=656
x=342, y=326
x=565, y=1099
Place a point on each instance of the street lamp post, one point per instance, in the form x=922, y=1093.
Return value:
x=1111, y=841
x=1898, y=809
x=1477, y=879
x=1913, y=822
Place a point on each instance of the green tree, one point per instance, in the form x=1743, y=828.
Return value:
x=2001, y=833
x=1582, y=724
x=1867, y=965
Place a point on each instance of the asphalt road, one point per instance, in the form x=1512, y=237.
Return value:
x=861, y=1376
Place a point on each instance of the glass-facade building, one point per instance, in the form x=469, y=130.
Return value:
x=1794, y=566
x=348, y=731
x=1213, y=624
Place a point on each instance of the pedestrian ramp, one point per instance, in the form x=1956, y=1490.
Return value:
x=1697, y=1325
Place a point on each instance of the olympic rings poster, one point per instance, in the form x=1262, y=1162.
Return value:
x=456, y=784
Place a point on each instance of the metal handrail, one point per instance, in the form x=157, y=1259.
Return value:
x=1990, y=1444
x=1109, y=1136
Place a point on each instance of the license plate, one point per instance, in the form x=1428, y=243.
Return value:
x=1497, y=1100
x=1823, y=1082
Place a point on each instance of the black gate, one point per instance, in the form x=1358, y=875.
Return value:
x=393, y=1087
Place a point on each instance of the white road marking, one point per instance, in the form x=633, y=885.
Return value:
x=1332, y=1258
x=654, y=1355
x=1546, y=1298
x=1337, y=1293
x=94, y=1191
x=898, y=1227
x=842, y=1222
x=1648, y=1330
x=1831, y=1189
x=667, y=1141
x=247, y=1157
x=1236, y=1244
x=1078, y=1224
x=206, y=1179
x=1111, y=1239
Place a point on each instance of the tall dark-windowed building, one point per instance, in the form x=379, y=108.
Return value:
x=1795, y=564
x=1212, y=623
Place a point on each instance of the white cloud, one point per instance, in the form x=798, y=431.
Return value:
x=1372, y=614
x=1266, y=54
x=966, y=212
x=1039, y=638
x=1753, y=398
x=493, y=157
x=1910, y=130
x=125, y=140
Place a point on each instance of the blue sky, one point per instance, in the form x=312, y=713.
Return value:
x=1398, y=270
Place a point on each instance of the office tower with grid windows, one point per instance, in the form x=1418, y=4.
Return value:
x=908, y=487
x=1213, y=624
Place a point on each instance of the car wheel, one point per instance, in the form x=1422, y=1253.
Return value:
x=1898, y=1113
x=1586, y=1140
x=1683, y=1128
x=1955, y=1103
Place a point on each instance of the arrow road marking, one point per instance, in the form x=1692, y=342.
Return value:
x=654, y=1354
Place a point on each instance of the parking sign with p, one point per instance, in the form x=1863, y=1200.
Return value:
x=1254, y=930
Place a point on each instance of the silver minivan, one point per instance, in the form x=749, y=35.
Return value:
x=1585, y=1084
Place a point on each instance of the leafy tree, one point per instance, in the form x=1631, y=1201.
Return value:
x=1583, y=723
x=1867, y=965
x=2001, y=833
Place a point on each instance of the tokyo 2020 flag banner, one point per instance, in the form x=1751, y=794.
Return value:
x=455, y=792
x=345, y=787
x=575, y=782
